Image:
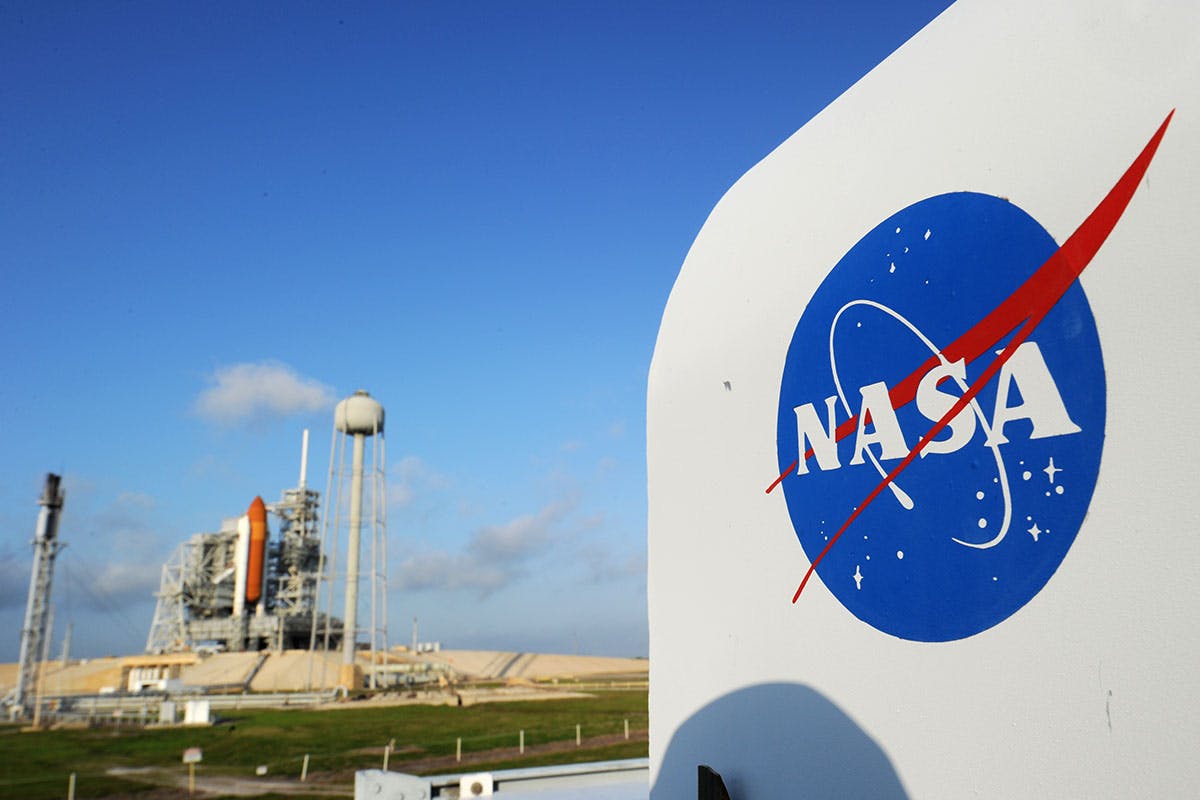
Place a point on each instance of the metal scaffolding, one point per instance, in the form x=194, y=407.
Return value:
x=199, y=591
x=34, y=634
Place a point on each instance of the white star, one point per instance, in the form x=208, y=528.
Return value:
x=858, y=576
x=1034, y=531
x=1051, y=470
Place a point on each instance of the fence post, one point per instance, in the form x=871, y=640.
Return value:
x=458, y=750
x=626, y=729
x=578, y=735
x=71, y=787
x=522, y=746
x=304, y=769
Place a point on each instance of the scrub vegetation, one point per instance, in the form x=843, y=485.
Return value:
x=146, y=763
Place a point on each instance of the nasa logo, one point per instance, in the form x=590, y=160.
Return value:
x=941, y=413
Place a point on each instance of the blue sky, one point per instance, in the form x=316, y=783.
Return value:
x=217, y=219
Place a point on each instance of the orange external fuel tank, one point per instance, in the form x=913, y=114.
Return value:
x=258, y=550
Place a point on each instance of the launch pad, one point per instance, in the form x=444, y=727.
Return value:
x=237, y=590
x=232, y=591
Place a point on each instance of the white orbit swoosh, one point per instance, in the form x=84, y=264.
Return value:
x=903, y=497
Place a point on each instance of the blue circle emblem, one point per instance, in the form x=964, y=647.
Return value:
x=973, y=527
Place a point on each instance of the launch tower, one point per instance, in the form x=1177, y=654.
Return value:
x=34, y=639
x=236, y=590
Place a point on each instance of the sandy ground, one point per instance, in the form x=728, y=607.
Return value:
x=222, y=668
x=489, y=664
x=296, y=670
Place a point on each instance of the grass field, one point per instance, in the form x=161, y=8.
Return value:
x=37, y=765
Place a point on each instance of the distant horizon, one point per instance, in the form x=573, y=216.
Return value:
x=363, y=647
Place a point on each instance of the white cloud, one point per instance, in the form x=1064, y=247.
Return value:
x=115, y=552
x=519, y=538
x=605, y=565
x=124, y=524
x=410, y=479
x=245, y=391
x=452, y=572
x=495, y=555
x=125, y=582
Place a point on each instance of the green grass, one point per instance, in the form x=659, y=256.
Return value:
x=632, y=749
x=36, y=765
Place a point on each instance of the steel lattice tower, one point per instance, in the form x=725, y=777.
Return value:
x=37, y=609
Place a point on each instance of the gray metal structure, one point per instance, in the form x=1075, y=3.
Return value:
x=197, y=591
x=294, y=563
x=34, y=638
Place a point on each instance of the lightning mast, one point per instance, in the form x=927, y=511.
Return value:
x=37, y=608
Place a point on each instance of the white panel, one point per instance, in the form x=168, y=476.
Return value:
x=1087, y=690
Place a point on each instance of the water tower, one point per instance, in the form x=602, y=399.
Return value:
x=359, y=418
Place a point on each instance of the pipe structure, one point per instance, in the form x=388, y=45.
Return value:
x=241, y=558
x=355, y=535
x=304, y=460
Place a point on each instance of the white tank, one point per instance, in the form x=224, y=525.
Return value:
x=359, y=413
x=241, y=560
